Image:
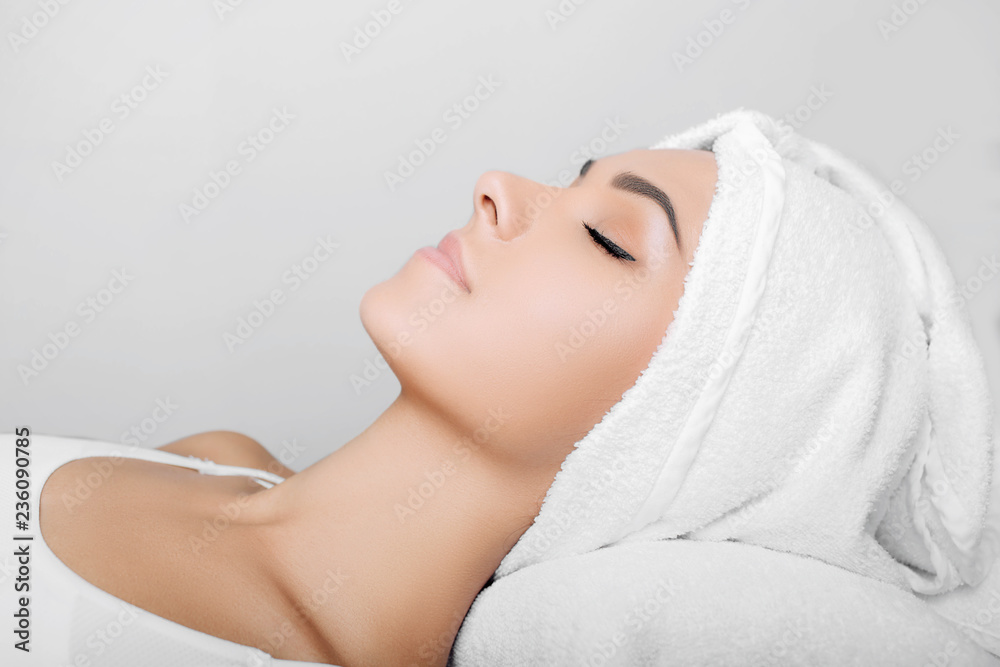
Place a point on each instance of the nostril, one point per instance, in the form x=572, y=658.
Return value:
x=493, y=207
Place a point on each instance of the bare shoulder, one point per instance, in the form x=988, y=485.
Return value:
x=228, y=448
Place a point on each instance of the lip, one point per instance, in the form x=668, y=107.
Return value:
x=448, y=257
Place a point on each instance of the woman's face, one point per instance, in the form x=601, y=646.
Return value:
x=553, y=328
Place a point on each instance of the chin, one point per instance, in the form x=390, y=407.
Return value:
x=376, y=311
x=419, y=353
x=387, y=309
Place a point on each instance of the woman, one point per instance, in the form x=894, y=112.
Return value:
x=718, y=339
x=488, y=372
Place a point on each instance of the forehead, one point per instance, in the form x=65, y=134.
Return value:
x=687, y=168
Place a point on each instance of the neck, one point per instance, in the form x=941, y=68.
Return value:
x=386, y=542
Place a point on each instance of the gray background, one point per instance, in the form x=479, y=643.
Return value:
x=289, y=385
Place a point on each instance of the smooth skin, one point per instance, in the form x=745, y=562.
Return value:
x=374, y=554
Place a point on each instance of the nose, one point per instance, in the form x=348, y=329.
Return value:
x=507, y=203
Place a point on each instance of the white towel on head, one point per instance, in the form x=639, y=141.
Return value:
x=817, y=393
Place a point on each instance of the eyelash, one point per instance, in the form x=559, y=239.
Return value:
x=615, y=251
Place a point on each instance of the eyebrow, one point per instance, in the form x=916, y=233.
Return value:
x=626, y=181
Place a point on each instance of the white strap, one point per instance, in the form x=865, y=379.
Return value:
x=204, y=466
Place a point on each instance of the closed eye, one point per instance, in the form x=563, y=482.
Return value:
x=610, y=246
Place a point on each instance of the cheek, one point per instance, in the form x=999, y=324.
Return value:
x=534, y=311
x=556, y=348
